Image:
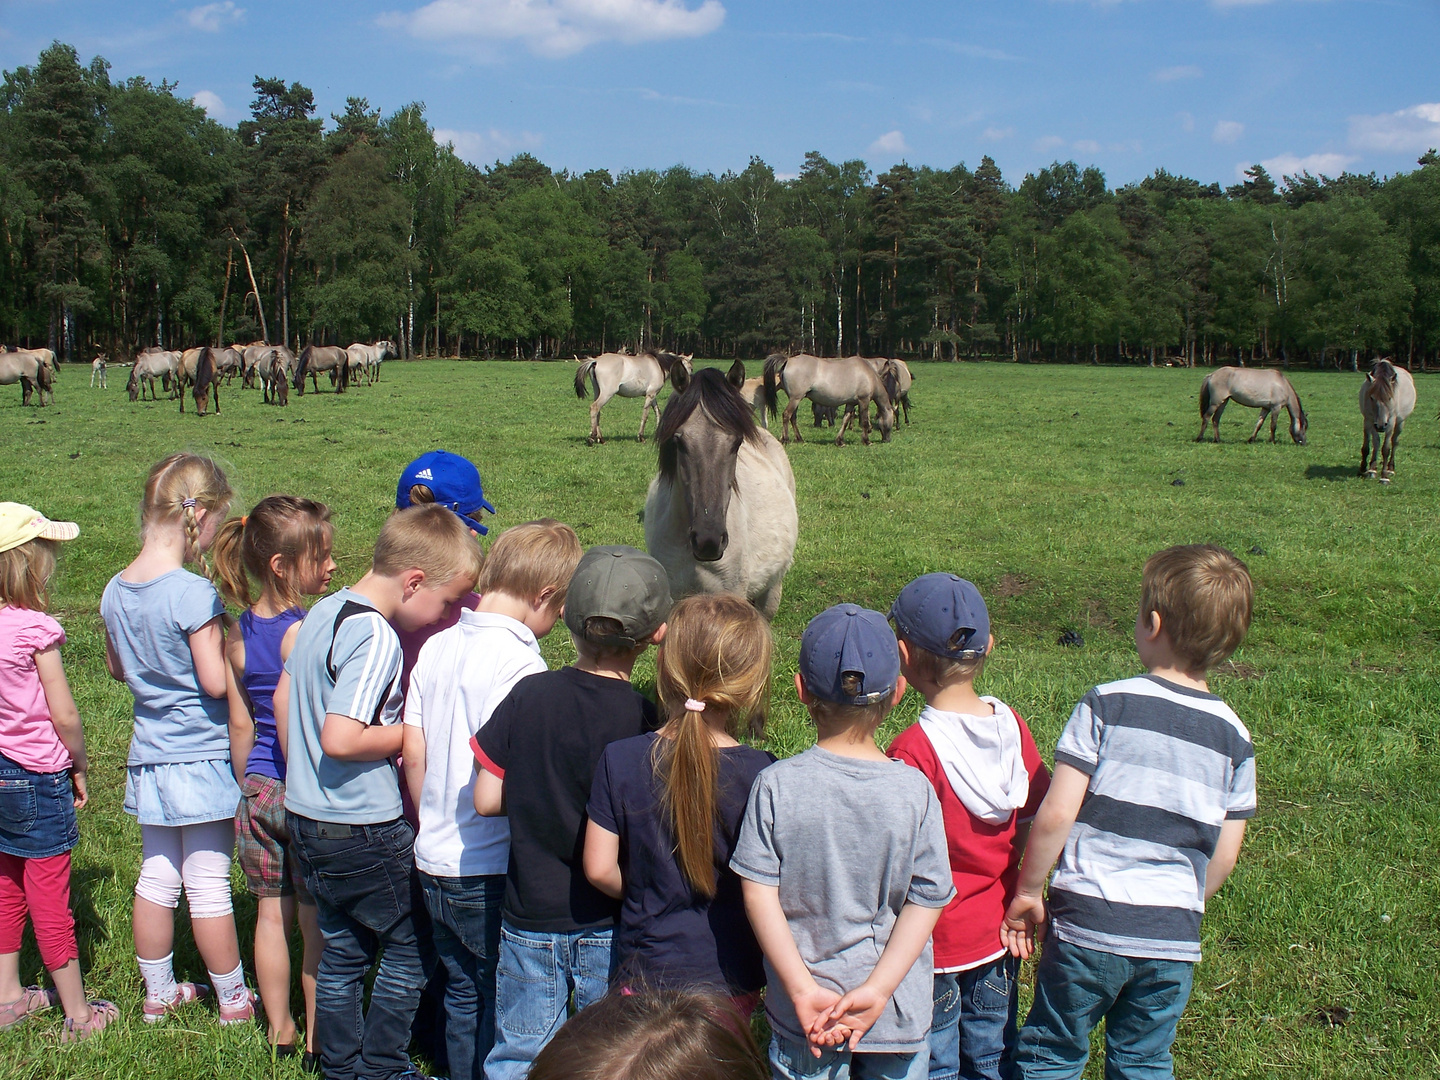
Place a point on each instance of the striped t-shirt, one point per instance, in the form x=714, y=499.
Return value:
x=1167, y=767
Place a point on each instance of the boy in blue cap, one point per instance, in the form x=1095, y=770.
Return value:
x=827, y=832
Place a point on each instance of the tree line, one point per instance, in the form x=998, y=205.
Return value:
x=130, y=219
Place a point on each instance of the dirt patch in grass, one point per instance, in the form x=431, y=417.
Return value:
x=1239, y=669
x=1012, y=585
x=1097, y=614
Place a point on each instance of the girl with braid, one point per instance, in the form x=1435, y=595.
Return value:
x=164, y=638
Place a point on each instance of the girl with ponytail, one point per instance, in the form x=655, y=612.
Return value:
x=164, y=638
x=665, y=808
x=283, y=546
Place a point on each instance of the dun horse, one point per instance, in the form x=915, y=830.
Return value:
x=1257, y=388
x=366, y=359
x=30, y=372
x=150, y=365
x=203, y=374
x=1387, y=398
x=720, y=515
x=317, y=358
x=97, y=372
x=628, y=376
x=850, y=381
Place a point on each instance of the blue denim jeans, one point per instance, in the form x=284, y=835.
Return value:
x=37, y=812
x=465, y=916
x=791, y=1060
x=1140, y=1001
x=367, y=897
x=536, y=975
x=972, y=1031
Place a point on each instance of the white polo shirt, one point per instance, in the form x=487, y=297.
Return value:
x=462, y=674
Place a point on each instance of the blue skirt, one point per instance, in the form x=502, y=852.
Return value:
x=37, y=812
x=184, y=793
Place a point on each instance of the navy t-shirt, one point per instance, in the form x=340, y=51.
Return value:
x=668, y=934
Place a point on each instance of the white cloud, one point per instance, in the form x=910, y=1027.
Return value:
x=1187, y=121
x=891, y=144
x=1283, y=165
x=996, y=134
x=1087, y=146
x=557, y=28
x=1175, y=74
x=213, y=17
x=1415, y=128
x=211, y=103
x=1227, y=131
x=483, y=147
x=1049, y=142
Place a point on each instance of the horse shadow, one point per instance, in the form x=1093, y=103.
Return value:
x=1329, y=472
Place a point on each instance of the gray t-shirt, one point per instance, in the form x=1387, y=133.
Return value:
x=150, y=623
x=364, y=653
x=835, y=834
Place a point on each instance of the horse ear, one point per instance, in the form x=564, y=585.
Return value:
x=679, y=378
x=736, y=375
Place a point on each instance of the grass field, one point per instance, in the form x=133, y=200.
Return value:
x=1047, y=486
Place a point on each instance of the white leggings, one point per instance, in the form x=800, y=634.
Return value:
x=195, y=856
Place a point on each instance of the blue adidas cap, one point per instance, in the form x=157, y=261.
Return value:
x=943, y=614
x=848, y=640
x=454, y=481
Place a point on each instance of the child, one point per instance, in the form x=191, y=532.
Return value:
x=537, y=758
x=462, y=675
x=843, y=856
x=666, y=808
x=354, y=847
x=979, y=757
x=284, y=544
x=42, y=770
x=669, y=1034
x=1154, y=778
x=163, y=639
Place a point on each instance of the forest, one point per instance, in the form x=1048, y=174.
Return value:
x=131, y=219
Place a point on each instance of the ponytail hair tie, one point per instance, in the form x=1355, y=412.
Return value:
x=243, y=519
x=691, y=705
x=188, y=504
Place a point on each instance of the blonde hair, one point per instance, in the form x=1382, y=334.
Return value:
x=296, y=529
x=838, y=714
x=25, y=574
x=1205, y=598
x=527, y=559
x=428, y=538
x=178, y=486
x=717, y=651
x=943, y=670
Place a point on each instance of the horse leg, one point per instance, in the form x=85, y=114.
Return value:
x=1387, y=468
x=1273, y=413
x=595, y=407
x=645, y=410
x=863, y=408
x=787, y=421
x=27, y=389
x=844, y=425
x=1264, y=414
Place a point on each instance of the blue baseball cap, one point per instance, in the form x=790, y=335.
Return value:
x=943, y=614
x=455, y=482
x=849, y=640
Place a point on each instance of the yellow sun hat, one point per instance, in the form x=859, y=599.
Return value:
x=19, y=524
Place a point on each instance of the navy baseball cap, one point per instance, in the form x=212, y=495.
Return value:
x=849, y=640
x=943, y=614
x=455, y=482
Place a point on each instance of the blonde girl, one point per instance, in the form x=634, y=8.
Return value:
x=665, y=808
x=42, y=779
x=164, y=639
x=283, y=545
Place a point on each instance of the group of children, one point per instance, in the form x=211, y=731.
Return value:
x=414, y=785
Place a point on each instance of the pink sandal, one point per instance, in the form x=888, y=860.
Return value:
x=186, y=992
x=102, y=1014
x=31, y=1000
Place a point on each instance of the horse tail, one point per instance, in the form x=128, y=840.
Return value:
x=302, y=366
x=890, y=379
x=774, y=371
x=343, y=380
x=1205, y=397
x=586, y=369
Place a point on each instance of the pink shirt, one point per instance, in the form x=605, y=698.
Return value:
x=27, y=734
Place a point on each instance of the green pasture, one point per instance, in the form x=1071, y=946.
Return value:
x=1048, y=486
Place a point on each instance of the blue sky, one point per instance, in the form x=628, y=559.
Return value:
x=1200, y=87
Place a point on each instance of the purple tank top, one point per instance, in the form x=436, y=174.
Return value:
x=262, y=639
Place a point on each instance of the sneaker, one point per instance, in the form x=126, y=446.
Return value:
x=310, y=1063
x=155, y=1011
x=243, y=1013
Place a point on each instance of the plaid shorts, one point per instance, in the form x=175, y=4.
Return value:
x=263, y=841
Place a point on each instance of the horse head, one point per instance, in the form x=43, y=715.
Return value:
x=1380, y=390
x=700, y=434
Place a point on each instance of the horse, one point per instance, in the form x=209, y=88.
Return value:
x=368, y=358
x=44, y=358
x=753, y=391
x=205, y=376
x=628, y=376
x=30, y=372
x=1257, y=388
x=903, y=381
x=150, y=365
x=229, y=362
x=277, y=381
x=850, y=381
x=1387, y=398
x=720, y=513
x=97, y=371
x=317, y=358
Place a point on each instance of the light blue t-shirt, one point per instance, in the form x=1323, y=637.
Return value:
x=150, y=623
x=363, y=652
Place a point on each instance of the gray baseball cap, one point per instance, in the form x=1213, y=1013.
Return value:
x=622, y=583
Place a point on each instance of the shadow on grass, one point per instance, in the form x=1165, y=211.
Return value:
x=1329, y=472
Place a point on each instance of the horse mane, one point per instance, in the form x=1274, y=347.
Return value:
x=1383, y=380
x=708, y=389
x=665, y=359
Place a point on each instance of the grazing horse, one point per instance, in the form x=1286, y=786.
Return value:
x=229, y=362
x=628, y=376
x=720, y=514
x=97, y=371
x=150, y=365
x=1258, y=388
x=366, y=359
x=317, y=358
x=850, y=381
x=203, y=374
x=24, y=367
x=44, y=358
x=903, y=381
x=1387, y=398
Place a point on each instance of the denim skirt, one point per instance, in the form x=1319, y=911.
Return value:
x=182, y=793
x=37, y=812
